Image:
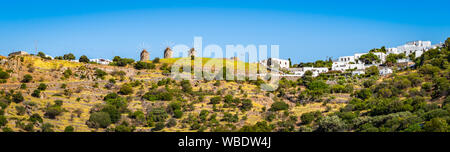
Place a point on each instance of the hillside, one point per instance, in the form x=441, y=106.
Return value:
x=38, y=94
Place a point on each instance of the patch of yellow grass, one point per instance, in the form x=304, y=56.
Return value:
x=50, y=64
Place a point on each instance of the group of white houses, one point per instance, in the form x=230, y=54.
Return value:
x=315, y=70
x=354, y=64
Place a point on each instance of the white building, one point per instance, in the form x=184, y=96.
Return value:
x=416, y=47
x=352, y=62
x=342, y=66
x=48, y=56
x=101, y=61
x=385, y=71
x=315, y=71
x=271, y=62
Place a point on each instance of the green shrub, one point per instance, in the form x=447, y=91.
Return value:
x=3, y=121
x=126, y=90
x=159, y=126
x=113, y=112
x=36, y=93
x=278, y=106
x=177, y=113
x=4, y=75
x=42, y=87
x=27, y=78
x=17, y=97
x=67, y=73
x=215, y=100
x=53, y=111
x=35, y=118
x=144, y=65
x=47, y=127
x=246, y=105
x=69, y=129
x=83, y=59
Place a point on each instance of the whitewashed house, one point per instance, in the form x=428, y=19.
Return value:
x=315, y=71
x=271, y=62
x=48, y=56
x=101, y=61
x=416, y=47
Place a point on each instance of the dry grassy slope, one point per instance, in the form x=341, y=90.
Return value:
x=50, y=72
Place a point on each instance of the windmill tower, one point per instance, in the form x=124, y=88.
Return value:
x=192, y=52
x=145, y=55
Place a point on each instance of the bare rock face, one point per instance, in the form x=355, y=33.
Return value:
x=168, y=53
x=145, y=56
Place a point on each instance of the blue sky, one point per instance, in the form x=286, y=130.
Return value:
x=305, y=30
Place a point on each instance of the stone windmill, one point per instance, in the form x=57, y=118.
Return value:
x=145, y=56
x=168, y=53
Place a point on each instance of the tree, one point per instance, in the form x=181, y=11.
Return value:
x=290, y=62
x=67, y=73
x=436, y=125
x=69, y=129
x=144, y=65
x=215, y=100
x=112, y=111
x=279, y=105
x=35, y=118
x=369, y=58
x=17, y=97
x=246, y=104
x=3, y=121
x=4, y=75
x=258, y=127
x=69, y=56
x=186, y=86
x=428, y=69
x=36, y=93
x=27, y=78
x=177, y=113
x=100, y=73
x=307, y=118
x=41, y=54
x=172, y=123
x=111, y=96
x=122, y=61
x=364, y=93
x=23, y=86
x=372, y=71
x=42, y=87
x=53, y=111
x=159, y=126
x=126, y=90
x=447, y=43
x=47, y=127
x=84, y=59
x=99, y=120
x=156, y=60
